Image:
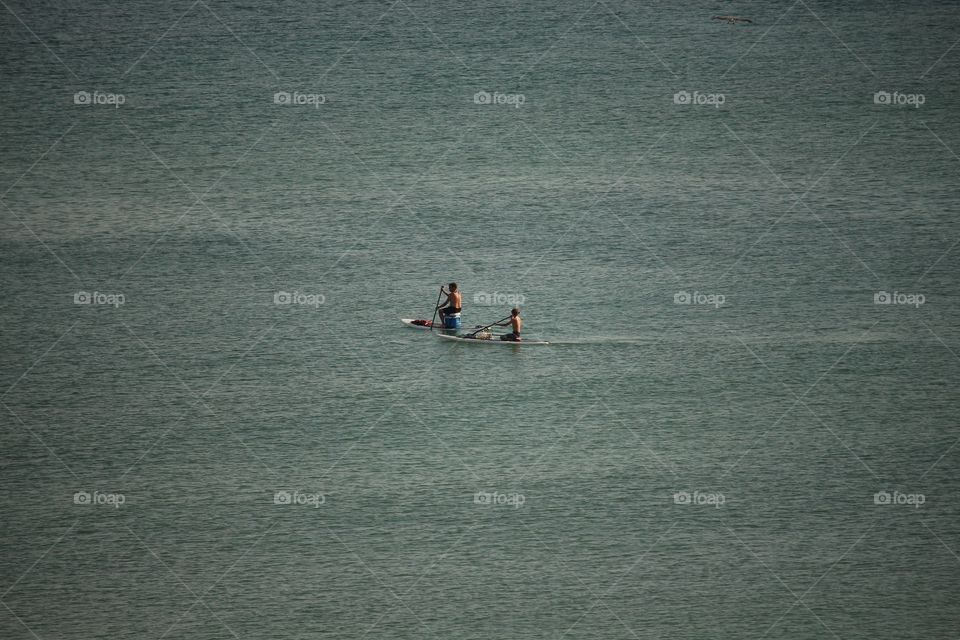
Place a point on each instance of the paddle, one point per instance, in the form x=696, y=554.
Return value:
x=470, y=335
x=435, y=307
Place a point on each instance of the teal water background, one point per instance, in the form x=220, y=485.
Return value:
x=798, y=403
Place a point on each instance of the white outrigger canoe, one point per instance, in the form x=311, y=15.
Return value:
x=493, y=340
x=419, y=324
x=426, y=324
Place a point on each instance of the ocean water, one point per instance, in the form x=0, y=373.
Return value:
x=739, y=238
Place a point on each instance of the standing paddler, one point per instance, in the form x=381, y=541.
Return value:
x=452, y=302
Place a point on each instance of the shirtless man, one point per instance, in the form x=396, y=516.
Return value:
x=515, y=323
x=452, y=302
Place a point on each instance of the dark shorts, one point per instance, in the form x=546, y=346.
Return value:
x=510, y=337
x=449, y=310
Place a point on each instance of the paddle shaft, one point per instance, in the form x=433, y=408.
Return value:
x=490, y=325
x=436, y=307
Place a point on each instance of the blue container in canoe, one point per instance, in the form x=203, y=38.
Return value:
x=451, y=321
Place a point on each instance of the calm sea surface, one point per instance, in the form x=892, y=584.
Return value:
x=740, y=239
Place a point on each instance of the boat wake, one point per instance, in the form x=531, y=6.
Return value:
x=606, y=340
